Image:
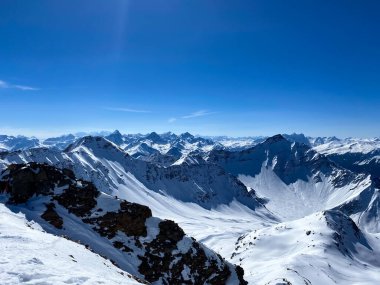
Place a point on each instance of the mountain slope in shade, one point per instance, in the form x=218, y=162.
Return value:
x=365, y=207
x=126, y=233
x=358, y=162
x=296, y=181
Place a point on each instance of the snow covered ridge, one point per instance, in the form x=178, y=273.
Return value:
x=154, y=250
x=323, y=248
x=115, y=172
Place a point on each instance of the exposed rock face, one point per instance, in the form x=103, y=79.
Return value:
x=29, y=181
x=194, y=259
x=159, y=250
x=130, y=219
x=79, y=200
x=51, y=216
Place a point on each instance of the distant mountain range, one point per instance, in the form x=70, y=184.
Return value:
x=288, y=209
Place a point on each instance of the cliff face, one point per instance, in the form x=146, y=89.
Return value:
x=154, y=250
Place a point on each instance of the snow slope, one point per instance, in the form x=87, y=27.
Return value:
x=292, y=178
x=352, y=145
x=323, y=248
x=29, y=255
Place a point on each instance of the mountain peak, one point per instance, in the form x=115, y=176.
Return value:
x=186, y=136
x=153, y=136
x=115, y=137
x=299, y=138
x=275, y=139
x=116, y=132
x=91, y=142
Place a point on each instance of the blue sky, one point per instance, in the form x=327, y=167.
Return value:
x=208, y=67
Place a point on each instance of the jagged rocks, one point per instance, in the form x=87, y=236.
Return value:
x=51, y=216
x=163, y=255
x=130, y=219
x=240, y=273
x=29, y=181
x=79, y=198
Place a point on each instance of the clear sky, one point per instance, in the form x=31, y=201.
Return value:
x=207, y=67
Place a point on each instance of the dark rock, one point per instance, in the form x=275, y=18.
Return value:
x=163, y=256
x=51, y=216
x=240, y=273
x=29, y=180
x=130, y=219
x=69, y=173
x=79, y=200
x=275, y=139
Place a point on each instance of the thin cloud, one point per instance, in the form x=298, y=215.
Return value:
x=200, y=113
x=127, y=110
x=4, y=85
x=25, y=88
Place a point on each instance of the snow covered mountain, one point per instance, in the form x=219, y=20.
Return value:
x=323, y=248
x=10, y=143
x=278, y=206
x=296, y=181
x=60, y=142
x=112, y=169
x=168, y=149
x=127, y=234
x=358, y=155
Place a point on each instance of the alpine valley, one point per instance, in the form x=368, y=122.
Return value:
x=112, y=208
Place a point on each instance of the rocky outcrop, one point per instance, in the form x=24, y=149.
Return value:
x=154, y=250
x=51, y=216
x=130, y=219
x=163, y=252
x=27, y=181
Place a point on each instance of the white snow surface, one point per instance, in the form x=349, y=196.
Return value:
x=300, y=198
x=350, y=145
x=29, y=255
x=322, y=248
